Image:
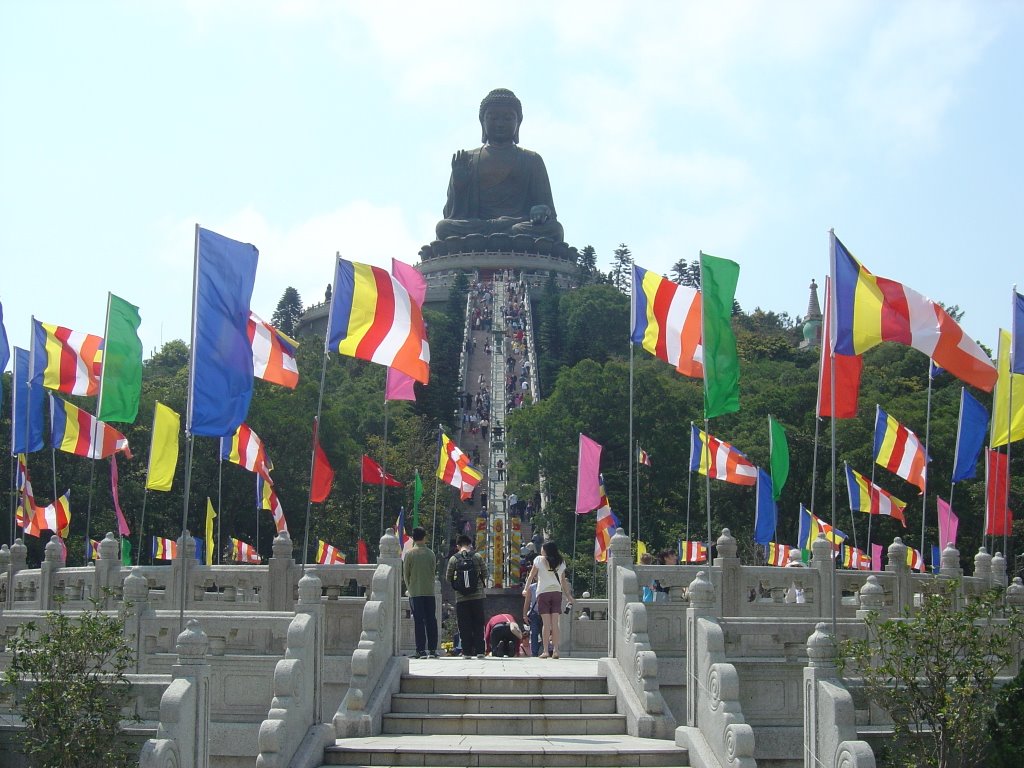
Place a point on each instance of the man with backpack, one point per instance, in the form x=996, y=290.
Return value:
x=467, y=574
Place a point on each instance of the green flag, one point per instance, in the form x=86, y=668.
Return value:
x=121, y=382
x=718, y=279
x=779, y=451
x=417, y=494
x=126, y=551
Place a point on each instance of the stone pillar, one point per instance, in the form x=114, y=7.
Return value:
x=871, y=598
x=620, y=554
x=702, y=606
x=53, y=561
x=310, y=603
x=181, y=570
x=897, y=563
x=106, y=575
x=138, y=610
x=5, y=570
x=983, y=565
x=998, y=578
x=823, y=562
x=191, y=647
x=280, y=589
x=391, y=554
x=729, y=566
x=950, y=562
x=19, y=559
x=1015, y=594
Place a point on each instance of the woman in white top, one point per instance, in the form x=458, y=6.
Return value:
x=549, y=572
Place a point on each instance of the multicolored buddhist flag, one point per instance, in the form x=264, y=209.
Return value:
x=372, y=317
x=246, y=449
x=398, y=385
x=867, y=497
x=72, y=430
x=811, y=525
x=121, y=373
x=164, y=549
x=869, y=310
x=244, y=553
x=269, y=501
x=666, y=321
x=453, y=468
x=855, y=559
x=779, y=554
x=915, y=560
x=604, y=527
x=643, y=457
x=273, y=353
x=847, y=372
x=66, y=360
x=55, y=517
x=94, y=549
x=693, y=552
x=898, y=450
x=719, y=460
x=327, y=554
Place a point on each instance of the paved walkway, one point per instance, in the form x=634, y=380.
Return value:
x=521, y=666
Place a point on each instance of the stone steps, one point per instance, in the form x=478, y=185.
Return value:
x=509, y=704
x=504, y=724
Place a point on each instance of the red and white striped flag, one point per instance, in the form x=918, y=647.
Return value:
x=273, y=353
x=244, y=553
x=327, y=554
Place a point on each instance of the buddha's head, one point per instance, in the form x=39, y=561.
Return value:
x=501, y=113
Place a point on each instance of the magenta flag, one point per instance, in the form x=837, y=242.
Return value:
x=122, y=524
x=399, y=386
x=948, y=523
x=876, y=557
x=588, y=482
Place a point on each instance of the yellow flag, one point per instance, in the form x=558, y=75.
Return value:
x=210, y=514
x=641, y=550
x=163, y=449
x=1001, y=399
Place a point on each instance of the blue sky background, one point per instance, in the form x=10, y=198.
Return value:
x=745, y=129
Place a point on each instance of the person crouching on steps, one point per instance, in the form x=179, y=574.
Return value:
x=549, y=572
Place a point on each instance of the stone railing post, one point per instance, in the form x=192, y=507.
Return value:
x=19, y=559
x=998, y=577
x=821, y=561
x=53, y=561
x=983, y=565
x=729, y=566
x=830, y=725
x=280, y=591
x=391, y=554
x=871, y=598
x=1015, y=594
x=138, y=610
x=5, y=574
x=897, y=563
x=949, y=563
x=106, y=576
x=183, y=734
x=181, y=567
x=620, y=554
x=702, y=606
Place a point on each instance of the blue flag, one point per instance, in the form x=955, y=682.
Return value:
x=5, y=349
x=220, y=385
x=26, y=407
x=766, y=513
x=970, y=436
x=936, y=558
x=1017, y=345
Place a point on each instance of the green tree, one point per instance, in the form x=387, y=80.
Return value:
x=289, y=310
x=68, y=676
x=686, y=273
x=587, y=262
x=621, y=273
x=934, y=671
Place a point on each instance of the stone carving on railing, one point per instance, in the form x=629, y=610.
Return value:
x=716, y=733
x=295, y=721
x=182, y=738
x=378, y=647
x=830, y=727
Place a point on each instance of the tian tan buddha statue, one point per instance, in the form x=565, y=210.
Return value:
x=499, y=187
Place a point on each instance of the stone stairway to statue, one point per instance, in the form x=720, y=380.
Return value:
x=504, y=713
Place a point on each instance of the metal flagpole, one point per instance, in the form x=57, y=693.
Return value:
x=927, y=435
x=629, y=483
x=832, y=401
x=636, y=454
x=956, y=453
x=220, y=494
x=145, y=488
x=92, y=446
x=312, y=457
x=384, y=466
x=689, y=484
x=188, y=434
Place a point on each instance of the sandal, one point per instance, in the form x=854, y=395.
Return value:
x=543, y=656
x=554, y=655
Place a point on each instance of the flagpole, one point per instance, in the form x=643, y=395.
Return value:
x=95, y=429
x=1009, y=410
x=832, y=403
x=384, y=462
x=927, y=435
x=312, y=458
x=433, y=518
x=220, y=494
x=629, y=484
x=145, y=486
x=636, y=453
x=689, y=487
x=706, y=450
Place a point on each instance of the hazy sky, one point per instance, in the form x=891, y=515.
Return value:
x=746, y=129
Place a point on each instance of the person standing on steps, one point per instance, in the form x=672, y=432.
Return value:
x=418, y=569
x=549, y=572
x=467, y=574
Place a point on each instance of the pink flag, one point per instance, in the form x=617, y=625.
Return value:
x=398, y=385
x=122, y=524
x=876, y=557
x=588, y=482
x=948, y=522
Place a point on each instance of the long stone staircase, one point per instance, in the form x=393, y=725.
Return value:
x=504, y=713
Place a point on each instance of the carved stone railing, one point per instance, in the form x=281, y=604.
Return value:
x=830, y=724
x=631, y=666
x=376, y=666
x=716, y=733
x=182, y=737
x=294, y=733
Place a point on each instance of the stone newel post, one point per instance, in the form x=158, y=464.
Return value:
x=279, y=583
x=729, y=566
x=53, y=561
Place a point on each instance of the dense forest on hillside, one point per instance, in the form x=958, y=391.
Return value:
x=585, y=377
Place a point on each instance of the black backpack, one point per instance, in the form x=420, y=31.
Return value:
x=466, y=577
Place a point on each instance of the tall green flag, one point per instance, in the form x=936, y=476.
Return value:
x=779, y=452
x=718, y=279
x=121, y=382
x=126, y=551
x=417, y=494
